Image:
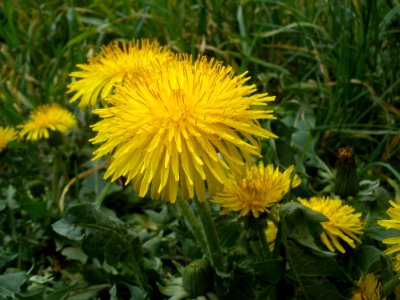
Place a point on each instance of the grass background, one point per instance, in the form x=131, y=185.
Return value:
x=337, y=60
x=334, y=67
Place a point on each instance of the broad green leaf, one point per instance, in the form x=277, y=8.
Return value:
x=74, y=253
x=367, y=258
x=161, y=218
x=242, y=285
x=229, y=234
x=302, y=224
x=36, y=210
x=5, y=259
x=317, y=289
x=10, y=283
x=136, y=292
x=269, y=292
x=295, y=210
x=270, y=270
x=34, y=293
x=101, y=236
x=62, y=293
x=308, y=264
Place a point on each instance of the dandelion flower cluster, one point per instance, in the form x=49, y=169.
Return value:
x=7, y=134
x=393, y=223
x=256, y=190
x=367, y=288
x=343, y=222
x=45, y=118
x=181, y=128
x=110, y=68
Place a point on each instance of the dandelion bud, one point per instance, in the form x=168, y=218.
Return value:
x=346, y=183
x=198, y=278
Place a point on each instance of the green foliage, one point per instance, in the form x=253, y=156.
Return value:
x=10, y=284
x=102, y=237
x=68, y=234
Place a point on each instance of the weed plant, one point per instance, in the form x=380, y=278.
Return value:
x=334, y=67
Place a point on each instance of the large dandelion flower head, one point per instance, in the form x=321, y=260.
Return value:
x=111, y=66
x=45, y=118
x=256, y=190
x=7, y=134
x=344, y=224
x=393, y=223
x=367, y=288
x=186, y=127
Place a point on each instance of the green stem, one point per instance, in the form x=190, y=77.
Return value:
x=290, y=259
x=194, y=224
x=211, y=235
x=55, y=174
x=263, y=241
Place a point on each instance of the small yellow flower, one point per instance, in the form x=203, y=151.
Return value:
x=343, y=223
x=7, y=134
x=256, y=190
x=393, y=223
x=367, y=288
x=111, y=67
x=270, y=233
x=44, y=118
x=185, y=127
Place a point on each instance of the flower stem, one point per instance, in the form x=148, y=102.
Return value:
x=263, y=241
x=256, y=232
x=210, y=231
x=194, y=224
x=290, y=258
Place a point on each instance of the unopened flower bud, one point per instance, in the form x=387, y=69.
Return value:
x=346, y=183
x=198, y=278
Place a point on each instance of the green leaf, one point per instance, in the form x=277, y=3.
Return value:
x=5, y=259
x=368, y=258
x=295, y=210
x=317, y=289
x=242, y=285
x=10, y=283
x=101, y=236
x=83, y=36
x=301, y=224
x=136, y=292
x=35, y=293
x=9, y=195
x=308, y=264
x=74, y=253
x=229, y=234
x=289, y=28
x=36, y=210
x=270, y=270
x=160, y=218
x=62, y=293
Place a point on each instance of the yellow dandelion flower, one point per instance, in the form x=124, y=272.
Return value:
x=367, y=288
x=44, y=118
x=189, y=125
x=256, y=190
x=343, y=223
x=270, y=233
x=7, y=134
x=393, y=223
x=111, y=67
